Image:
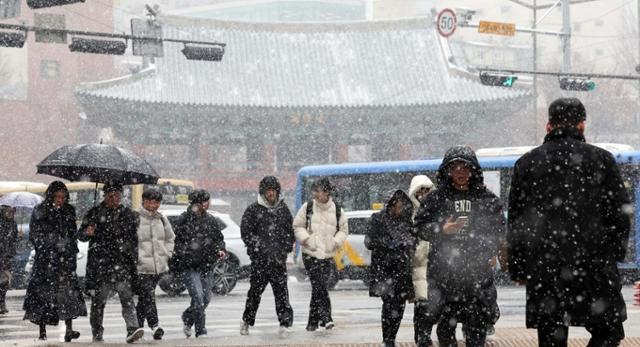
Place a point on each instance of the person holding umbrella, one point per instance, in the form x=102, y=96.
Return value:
x=9, y=237
x=53, y=293
x=111, y=230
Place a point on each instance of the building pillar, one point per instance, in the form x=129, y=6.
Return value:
x=341, y=153
x=268, y=157
x=204, y=157
x=404, y=152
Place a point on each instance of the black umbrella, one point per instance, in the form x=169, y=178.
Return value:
x=98, y=163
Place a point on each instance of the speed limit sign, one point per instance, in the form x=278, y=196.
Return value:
x=446, y=22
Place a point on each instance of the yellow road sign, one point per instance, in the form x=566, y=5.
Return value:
x=507, y=29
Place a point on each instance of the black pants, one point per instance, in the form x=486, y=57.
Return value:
x=447, y=308
x=553, y=333
x=99, y=301
x=3, y=292
x=392, y=312
x=320, y=306
x=146, y=307
x=422, y=326
x=263, y=272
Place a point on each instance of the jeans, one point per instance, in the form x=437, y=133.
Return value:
x=200, y=286
x=264, y=272
x=126, y=300
x=146, y=307
x=320, y=306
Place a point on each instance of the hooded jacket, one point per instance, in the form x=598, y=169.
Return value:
x=392, y=246
x=568, y=230
x=198, y=241
x=460, y=262
x=419, y=273
x=267, y=230
x=320, y=239
x=155, y=243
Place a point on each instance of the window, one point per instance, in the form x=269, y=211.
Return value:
x=358, y=226
x=49, y=69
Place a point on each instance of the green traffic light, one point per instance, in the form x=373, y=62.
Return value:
x=509, y=81
x=591, y=86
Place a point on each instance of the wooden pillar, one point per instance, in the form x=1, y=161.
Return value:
x=268, y=157
x=404, y=152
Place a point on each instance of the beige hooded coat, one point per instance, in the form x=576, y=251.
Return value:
x=420, y=258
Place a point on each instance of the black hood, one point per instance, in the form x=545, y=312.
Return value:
x=464, y=154
x=269, y=182
x=400, y=195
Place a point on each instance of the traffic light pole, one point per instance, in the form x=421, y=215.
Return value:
x=558, y=74
x=26, y=28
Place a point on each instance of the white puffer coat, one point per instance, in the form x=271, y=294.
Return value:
x=155, y=243
x=421, y=256
x=320, y=239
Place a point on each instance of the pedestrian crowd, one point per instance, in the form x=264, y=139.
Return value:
x=562, y=234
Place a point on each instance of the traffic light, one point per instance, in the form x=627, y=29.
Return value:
x=201, y=52
x=35, y=4
x=584, y=85
x=497, y=80
x=12, y=39
x=97, y=46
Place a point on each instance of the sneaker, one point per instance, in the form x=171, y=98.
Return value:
x=158, y=333
x=97, y=335
x=491, y=333
x=329, y=325
x=284, y=332
x=201, y=334
x=135, y=335
x=244, y=328
x=186, y=329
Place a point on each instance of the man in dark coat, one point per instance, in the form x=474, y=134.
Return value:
x=464, y=222
x=111, y=230
x=267, y=231
x=568, y=227
x=199, y=244
x=392, y=246
x=9, y=237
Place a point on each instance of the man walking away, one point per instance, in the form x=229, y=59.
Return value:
x=9, y=237
x=568, y=228
x=267, y=231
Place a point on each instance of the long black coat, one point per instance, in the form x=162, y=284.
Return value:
x=198, y=240
x=267, y=231
x=9, y=237
x=567, y=230
x=53, y=292
x=392, y=246
x=459, y=263
x=113, y=249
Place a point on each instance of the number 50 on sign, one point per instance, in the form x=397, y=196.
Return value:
x=446, y=22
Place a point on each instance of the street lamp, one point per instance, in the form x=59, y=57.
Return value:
x=203, y=52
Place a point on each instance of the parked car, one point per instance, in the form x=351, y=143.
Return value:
x=226, y=272
x=352, y=261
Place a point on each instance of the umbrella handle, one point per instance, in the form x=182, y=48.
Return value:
x=95, y=192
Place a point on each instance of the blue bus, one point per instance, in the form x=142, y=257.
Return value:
x=364, y=186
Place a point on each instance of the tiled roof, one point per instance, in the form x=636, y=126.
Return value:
x=385, y=63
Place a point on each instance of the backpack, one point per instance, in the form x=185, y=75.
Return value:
x=310, y=214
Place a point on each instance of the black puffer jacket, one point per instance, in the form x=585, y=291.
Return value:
x=9, y=237
x=198, y=240
x=113, y=249
x=568, y=229
x=392, y=246
x=267, y=230
x=460, y=262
